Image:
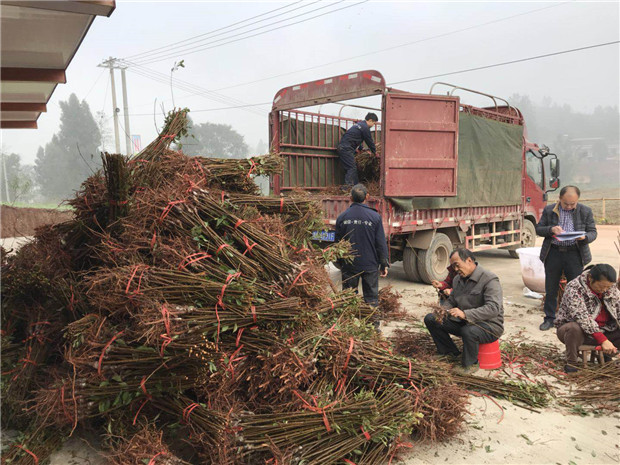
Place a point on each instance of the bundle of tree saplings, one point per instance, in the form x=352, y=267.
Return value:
x=190, y=321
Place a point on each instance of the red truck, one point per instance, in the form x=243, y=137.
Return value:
x=451, y=175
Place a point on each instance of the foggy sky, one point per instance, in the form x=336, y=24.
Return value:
x=584, y=80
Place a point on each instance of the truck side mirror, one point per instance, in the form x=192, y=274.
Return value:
x=554, y=167
x=555, y=183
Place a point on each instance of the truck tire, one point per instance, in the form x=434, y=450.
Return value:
x=410, y=264
x=432, y=263
x=528, y=237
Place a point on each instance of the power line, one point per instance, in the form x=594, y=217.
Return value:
x=537, y=57
x=406, y=44
x=210, y=33
x=202, y=48
x=180, y=85
x=170, y=53
x=160, y=77
x=105, y=96
x=214, y=109
x=506, y=18
x=521, y=60
x=94, y=84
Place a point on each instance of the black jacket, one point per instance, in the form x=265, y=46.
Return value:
x=362, y=226
x=583, y=220
x=353, y=138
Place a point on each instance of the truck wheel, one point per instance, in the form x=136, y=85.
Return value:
x=432, y=263
x=410, y=264
x=528, y=237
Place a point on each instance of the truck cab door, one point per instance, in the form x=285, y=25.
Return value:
x=420, y=145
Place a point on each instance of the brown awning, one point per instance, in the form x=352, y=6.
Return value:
x=38, y=41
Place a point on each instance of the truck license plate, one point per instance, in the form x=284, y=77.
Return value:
x=326, y=236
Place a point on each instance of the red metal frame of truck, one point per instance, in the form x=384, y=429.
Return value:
x=422, y=239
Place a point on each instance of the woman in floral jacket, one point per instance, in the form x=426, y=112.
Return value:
x=590, y=313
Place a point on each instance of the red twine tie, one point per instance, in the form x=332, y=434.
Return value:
x=168, y=208
x=248, y=246
x=408, y=445
x=220, y=248
x=341, y=384
x=64, y=407
x=148, y=397
x=251, y=168
x=220, y=302
x=72, y=300
x=199, y=167
x=317, y=409
x=239, y=223
x=239, y=333
x=296, y=279
x=104, y=350
x=165, y=313
x=133, y=274
x=193, y=258
x=233, y=359
x=152, y=461
x=188, y=411
x=36, y=459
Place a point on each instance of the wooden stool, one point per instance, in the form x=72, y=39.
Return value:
x=591, y=352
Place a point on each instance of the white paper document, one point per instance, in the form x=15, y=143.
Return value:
x=569, y=236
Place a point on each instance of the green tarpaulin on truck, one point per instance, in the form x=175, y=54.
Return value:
x=489, y=167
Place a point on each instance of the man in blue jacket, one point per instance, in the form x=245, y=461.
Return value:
x=564, y=256
x=352, y=141
x=361, y=225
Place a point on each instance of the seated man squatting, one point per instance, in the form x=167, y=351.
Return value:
x=475, y=311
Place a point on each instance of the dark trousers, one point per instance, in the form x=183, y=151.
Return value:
x=556, y=263
x=573, y=336
x=370, y=284
x=472, y=337
x=347, y=158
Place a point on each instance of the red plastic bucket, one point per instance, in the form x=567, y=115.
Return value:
x=489, y=356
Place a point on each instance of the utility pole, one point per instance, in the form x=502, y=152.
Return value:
x=126, y=110
x=111, y=64
x=6, y=178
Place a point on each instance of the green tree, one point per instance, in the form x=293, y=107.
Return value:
x=17, y=178
x=72, y=155
x=215, y=141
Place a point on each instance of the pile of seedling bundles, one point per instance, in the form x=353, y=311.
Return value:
x=180, y=317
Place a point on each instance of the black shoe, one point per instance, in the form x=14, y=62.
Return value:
x=451, y=358
x=568, y=368
x=546, y=325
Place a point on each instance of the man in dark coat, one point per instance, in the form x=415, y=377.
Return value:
x=475, y=312
x=564, y=256
x=352, y=141
x=361, y=225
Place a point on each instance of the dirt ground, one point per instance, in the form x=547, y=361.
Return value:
x=20, y=222
x=553, y=436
